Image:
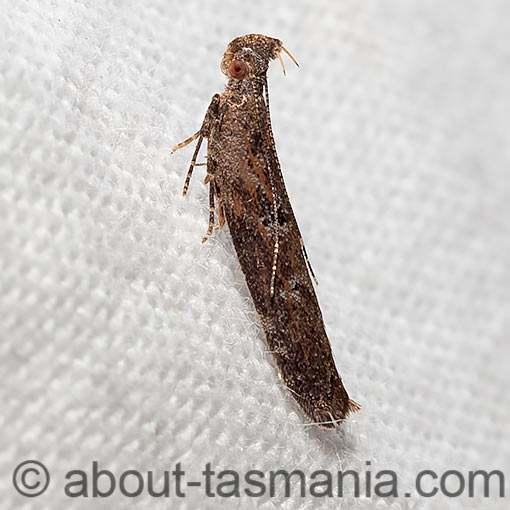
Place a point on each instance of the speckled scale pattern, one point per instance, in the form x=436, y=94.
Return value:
x=244, y=173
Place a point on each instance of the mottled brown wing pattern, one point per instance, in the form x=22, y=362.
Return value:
x=245, y=179
x=292, y=320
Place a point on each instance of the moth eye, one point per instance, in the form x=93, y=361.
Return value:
x=237, y=69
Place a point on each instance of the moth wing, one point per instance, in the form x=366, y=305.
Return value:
x=250, y=186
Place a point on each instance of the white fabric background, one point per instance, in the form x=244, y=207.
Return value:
x=125, y=340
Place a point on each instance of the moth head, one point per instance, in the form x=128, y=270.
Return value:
x=248, y=56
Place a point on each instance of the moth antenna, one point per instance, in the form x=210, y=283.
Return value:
x=281, y=62
x=290, y=55
x=273, y=268
x=308, y=261
x=273, y=191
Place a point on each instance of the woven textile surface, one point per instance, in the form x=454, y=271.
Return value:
x=125, y=340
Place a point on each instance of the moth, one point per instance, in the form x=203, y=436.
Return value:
x=246, y=182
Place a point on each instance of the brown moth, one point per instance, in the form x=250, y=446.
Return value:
x=244, y=177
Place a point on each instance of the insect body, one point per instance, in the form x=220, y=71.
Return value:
x=245, y=179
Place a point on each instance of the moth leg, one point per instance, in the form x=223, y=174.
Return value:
x=186, y=142
x=193, y=162
x=210, y=115
x=221, y=216
x=211, y=214
x=209, y=178
x=303, y=249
